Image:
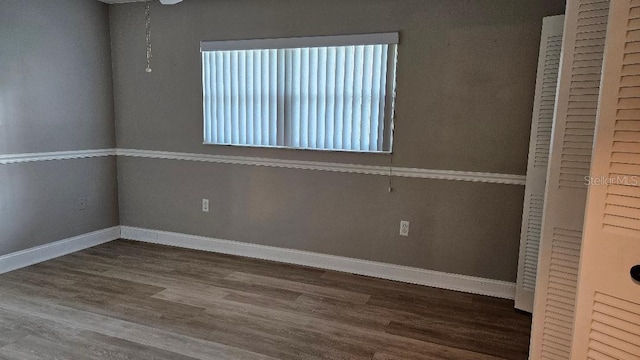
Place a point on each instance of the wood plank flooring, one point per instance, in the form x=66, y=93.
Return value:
x=130, y=300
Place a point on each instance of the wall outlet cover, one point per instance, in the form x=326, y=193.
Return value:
x=404, y=228
x=82, y=203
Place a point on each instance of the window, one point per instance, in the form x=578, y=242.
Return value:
x=323, y=93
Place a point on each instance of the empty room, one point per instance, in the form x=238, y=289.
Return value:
x=320, y=179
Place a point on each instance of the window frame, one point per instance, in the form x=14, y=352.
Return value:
x=390, y=38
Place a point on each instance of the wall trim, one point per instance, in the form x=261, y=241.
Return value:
x=54, y=155
x=330, y=166
x=469, y=284
x=470, y=176
x=437, y=279
x=28, y=257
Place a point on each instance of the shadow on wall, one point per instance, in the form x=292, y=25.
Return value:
x=15, y=222
x=15, y=219
x=22, y=66
x=7, y=113
x=38, y=102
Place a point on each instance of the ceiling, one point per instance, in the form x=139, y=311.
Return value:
x=119, y=1
x=164, y=2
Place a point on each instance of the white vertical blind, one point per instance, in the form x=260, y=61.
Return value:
x=329, y=98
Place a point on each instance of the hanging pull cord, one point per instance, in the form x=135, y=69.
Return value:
x=390, y=172
x=393, y=131
x=147, y=24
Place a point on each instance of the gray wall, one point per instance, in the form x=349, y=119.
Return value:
x=55, y=95
x=39, y=201
x=455, y=227
x=466, y=77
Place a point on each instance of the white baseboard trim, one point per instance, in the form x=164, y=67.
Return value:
x=469, y=284
x=28, y=257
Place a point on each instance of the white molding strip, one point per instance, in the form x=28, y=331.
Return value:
x=469, y=284
x=327, y=166
x=55, y=155
x=56, y=249
x=279, y=163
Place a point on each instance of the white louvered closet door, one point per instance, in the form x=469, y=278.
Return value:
x=566, y=189
x=539, y=143
x=608, y=308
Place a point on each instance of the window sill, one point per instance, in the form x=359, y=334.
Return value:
x=300, y=149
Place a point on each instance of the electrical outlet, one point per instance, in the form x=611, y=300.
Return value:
x=82, y=203
x=205, y=205
x=404, y=228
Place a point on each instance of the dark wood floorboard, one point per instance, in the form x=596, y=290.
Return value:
x=131, y=300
